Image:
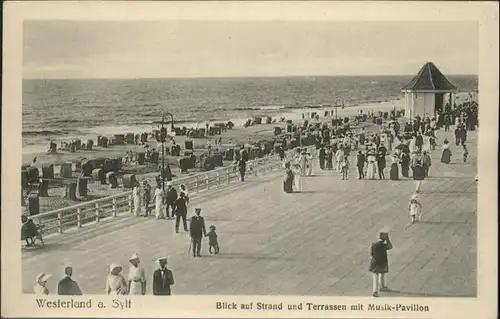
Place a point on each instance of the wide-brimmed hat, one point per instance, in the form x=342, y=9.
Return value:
x=134, y=257
x=113, y=267
x=169, y=184
x=414, y=197
x=43, y=277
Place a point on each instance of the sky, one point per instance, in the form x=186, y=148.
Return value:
x=180, y=49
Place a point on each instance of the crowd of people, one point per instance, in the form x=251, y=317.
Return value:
x=407, y=149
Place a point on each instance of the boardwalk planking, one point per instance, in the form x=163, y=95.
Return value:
x=313, y=243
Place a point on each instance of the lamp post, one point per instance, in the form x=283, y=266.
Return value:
x=163, y=139
x=336, y=117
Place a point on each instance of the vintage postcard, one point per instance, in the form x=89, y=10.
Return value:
x=250, y=159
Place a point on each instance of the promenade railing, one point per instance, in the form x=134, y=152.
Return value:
x=85, y=214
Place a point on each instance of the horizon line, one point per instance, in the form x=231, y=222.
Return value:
x=231, y=77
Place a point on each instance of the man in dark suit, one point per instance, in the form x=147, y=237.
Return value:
x=361, y=159
x=162, y=279
x=170, y=199
x=197, y=231
x=68, y=286
x=180, y=211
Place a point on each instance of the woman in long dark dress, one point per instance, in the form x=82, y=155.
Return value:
x=394, y=172
x=288, y=180
x=379, y=265
x=405, y=164
x=446, y=155
x=417, y=166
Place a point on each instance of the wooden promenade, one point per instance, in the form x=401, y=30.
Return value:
x=310, y=243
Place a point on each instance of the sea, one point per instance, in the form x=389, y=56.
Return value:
x=65, y=109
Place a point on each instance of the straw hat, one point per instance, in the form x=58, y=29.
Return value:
x=414, y=197
x=134, y=257
x=162, y=259
x=114, y=267
x=43, y=277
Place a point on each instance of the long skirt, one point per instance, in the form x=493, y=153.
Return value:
x=418, y=173
x=298, y=183
x=446, y=156
x=158, y=209
x=405, y=168
x=287, y=185
x=370, y=171
x=394, y=173
x=137, y=205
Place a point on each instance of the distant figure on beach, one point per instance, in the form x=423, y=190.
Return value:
x=381, y=163
x=379, y=265
x=329, y=158
x=288, y=179
x=405, y=163
x=339, y=155
x=446, y=154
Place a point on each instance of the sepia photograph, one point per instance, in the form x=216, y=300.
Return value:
x=250, y=158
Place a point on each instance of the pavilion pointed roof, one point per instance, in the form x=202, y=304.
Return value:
x=429, y=78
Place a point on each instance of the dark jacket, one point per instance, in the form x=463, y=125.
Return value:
x=197, y=227
x=68, y=287
x=379, y=263
x=162, y=282
x=171, y=195
x=361, y=160
x=180, y=206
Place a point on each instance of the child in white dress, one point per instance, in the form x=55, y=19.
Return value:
x=415, y=208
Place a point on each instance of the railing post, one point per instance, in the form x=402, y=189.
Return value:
x=197, y=184
x=114, y=207
x=97, y=212
x=218, y=178
x=228, y=173
x=79, y=217
x=130, y=204
x=59, y=222
x=207, y=181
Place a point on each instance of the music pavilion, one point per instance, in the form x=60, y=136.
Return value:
x=428, y=93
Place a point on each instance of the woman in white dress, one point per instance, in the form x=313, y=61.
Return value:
x=371, y=165
x=309, y=164
x=115, y=283
x=339, y=157
x=136, y=195
x=136, y=277
x=297, y=178
x=41, y=282
x=158, y=199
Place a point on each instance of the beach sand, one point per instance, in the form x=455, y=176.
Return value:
x=237, y=135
